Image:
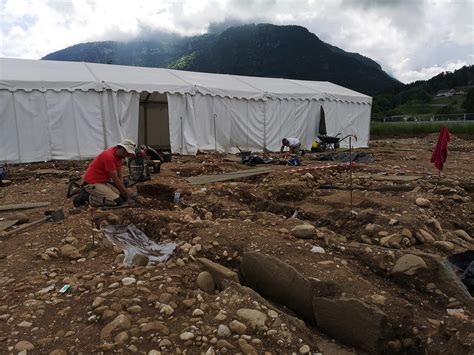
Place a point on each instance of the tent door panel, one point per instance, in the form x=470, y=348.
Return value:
x=156, y=125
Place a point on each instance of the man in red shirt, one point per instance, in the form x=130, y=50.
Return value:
x=104, y=170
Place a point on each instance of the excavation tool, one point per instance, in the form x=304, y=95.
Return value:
x=48, y=216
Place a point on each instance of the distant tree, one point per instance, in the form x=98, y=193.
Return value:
x=468, y=104
x=424, y=96
x=382, y=103
x=376, y=111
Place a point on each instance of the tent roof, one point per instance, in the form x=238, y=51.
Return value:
x=27, y=75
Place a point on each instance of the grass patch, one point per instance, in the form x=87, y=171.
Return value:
x=416, y=128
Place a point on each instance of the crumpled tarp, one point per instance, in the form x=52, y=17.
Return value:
x=133, y=241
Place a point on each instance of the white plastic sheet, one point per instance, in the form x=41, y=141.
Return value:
x=133, y=241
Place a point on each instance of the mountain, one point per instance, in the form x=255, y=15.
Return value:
x=256, y=50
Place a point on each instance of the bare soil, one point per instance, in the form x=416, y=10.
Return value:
x=222, y=221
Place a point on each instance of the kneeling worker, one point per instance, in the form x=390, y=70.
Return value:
x=106, y=169
x=293, y=143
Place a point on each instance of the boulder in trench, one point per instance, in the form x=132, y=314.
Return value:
x=218, y=272
x=205, y=282
x=282, y=283
x=409, y=265
x=352, y=322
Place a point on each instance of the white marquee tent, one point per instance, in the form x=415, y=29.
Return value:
x=67, y=110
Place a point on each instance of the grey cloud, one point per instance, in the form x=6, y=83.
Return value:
x=62, y=7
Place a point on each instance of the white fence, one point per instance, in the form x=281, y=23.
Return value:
x=421, y=118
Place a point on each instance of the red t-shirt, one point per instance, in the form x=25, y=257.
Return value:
x=98, y=170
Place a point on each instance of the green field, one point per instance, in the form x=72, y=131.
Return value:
x=416, y=128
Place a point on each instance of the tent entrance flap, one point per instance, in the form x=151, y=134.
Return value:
x=154, y=121
x=322, y=123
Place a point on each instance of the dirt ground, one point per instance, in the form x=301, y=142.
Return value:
x=400, y=207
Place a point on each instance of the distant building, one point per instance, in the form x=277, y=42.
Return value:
x=446, y=93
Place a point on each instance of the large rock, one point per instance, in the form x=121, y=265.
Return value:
x=351, y=322
x=238, y=327
x=218, y=272
x=68, y=251
x=223, y=331
x=426, y=236
x=155, y=325
x=279, y=282
x=186, y=336
x=120, y=322
x=20, y=217
x=392, y=240
x=409, y=264
x=205, y=282
x=246, y=348
x=444, y=245
x=366, y=216
x=422, y=202
x=463, y=235
x=254, y=317
x=283, y=284
x=24, y=345
x=140, y=260
x=304, y=231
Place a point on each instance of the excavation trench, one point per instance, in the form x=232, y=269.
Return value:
x=319, y=303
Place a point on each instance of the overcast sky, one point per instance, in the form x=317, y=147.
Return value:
x=411, y=39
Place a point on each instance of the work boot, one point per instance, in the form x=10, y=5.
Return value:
x=81, y=199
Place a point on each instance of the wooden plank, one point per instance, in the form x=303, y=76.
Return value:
x=209, y=179
x=23, y=206
x=7, y=224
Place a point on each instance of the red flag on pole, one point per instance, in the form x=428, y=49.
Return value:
x=440, y=152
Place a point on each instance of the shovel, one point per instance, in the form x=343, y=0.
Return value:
x=48, y=216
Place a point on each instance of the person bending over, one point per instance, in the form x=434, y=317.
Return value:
x=293, y=144
x=103, y=179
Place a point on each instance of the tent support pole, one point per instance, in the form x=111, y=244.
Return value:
x=145, y=117
x=16, y=125
x=182, y=136
x=215, y=134
x=350, y=167
x=48, y=125
x=75, y=125
x=102, y=112
x=264, y=126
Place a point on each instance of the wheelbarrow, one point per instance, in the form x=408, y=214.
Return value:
x=329, y=142
x=48, y=216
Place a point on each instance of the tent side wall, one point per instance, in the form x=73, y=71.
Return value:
x=212, y=123
x=63, y=125
x=346, y=118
